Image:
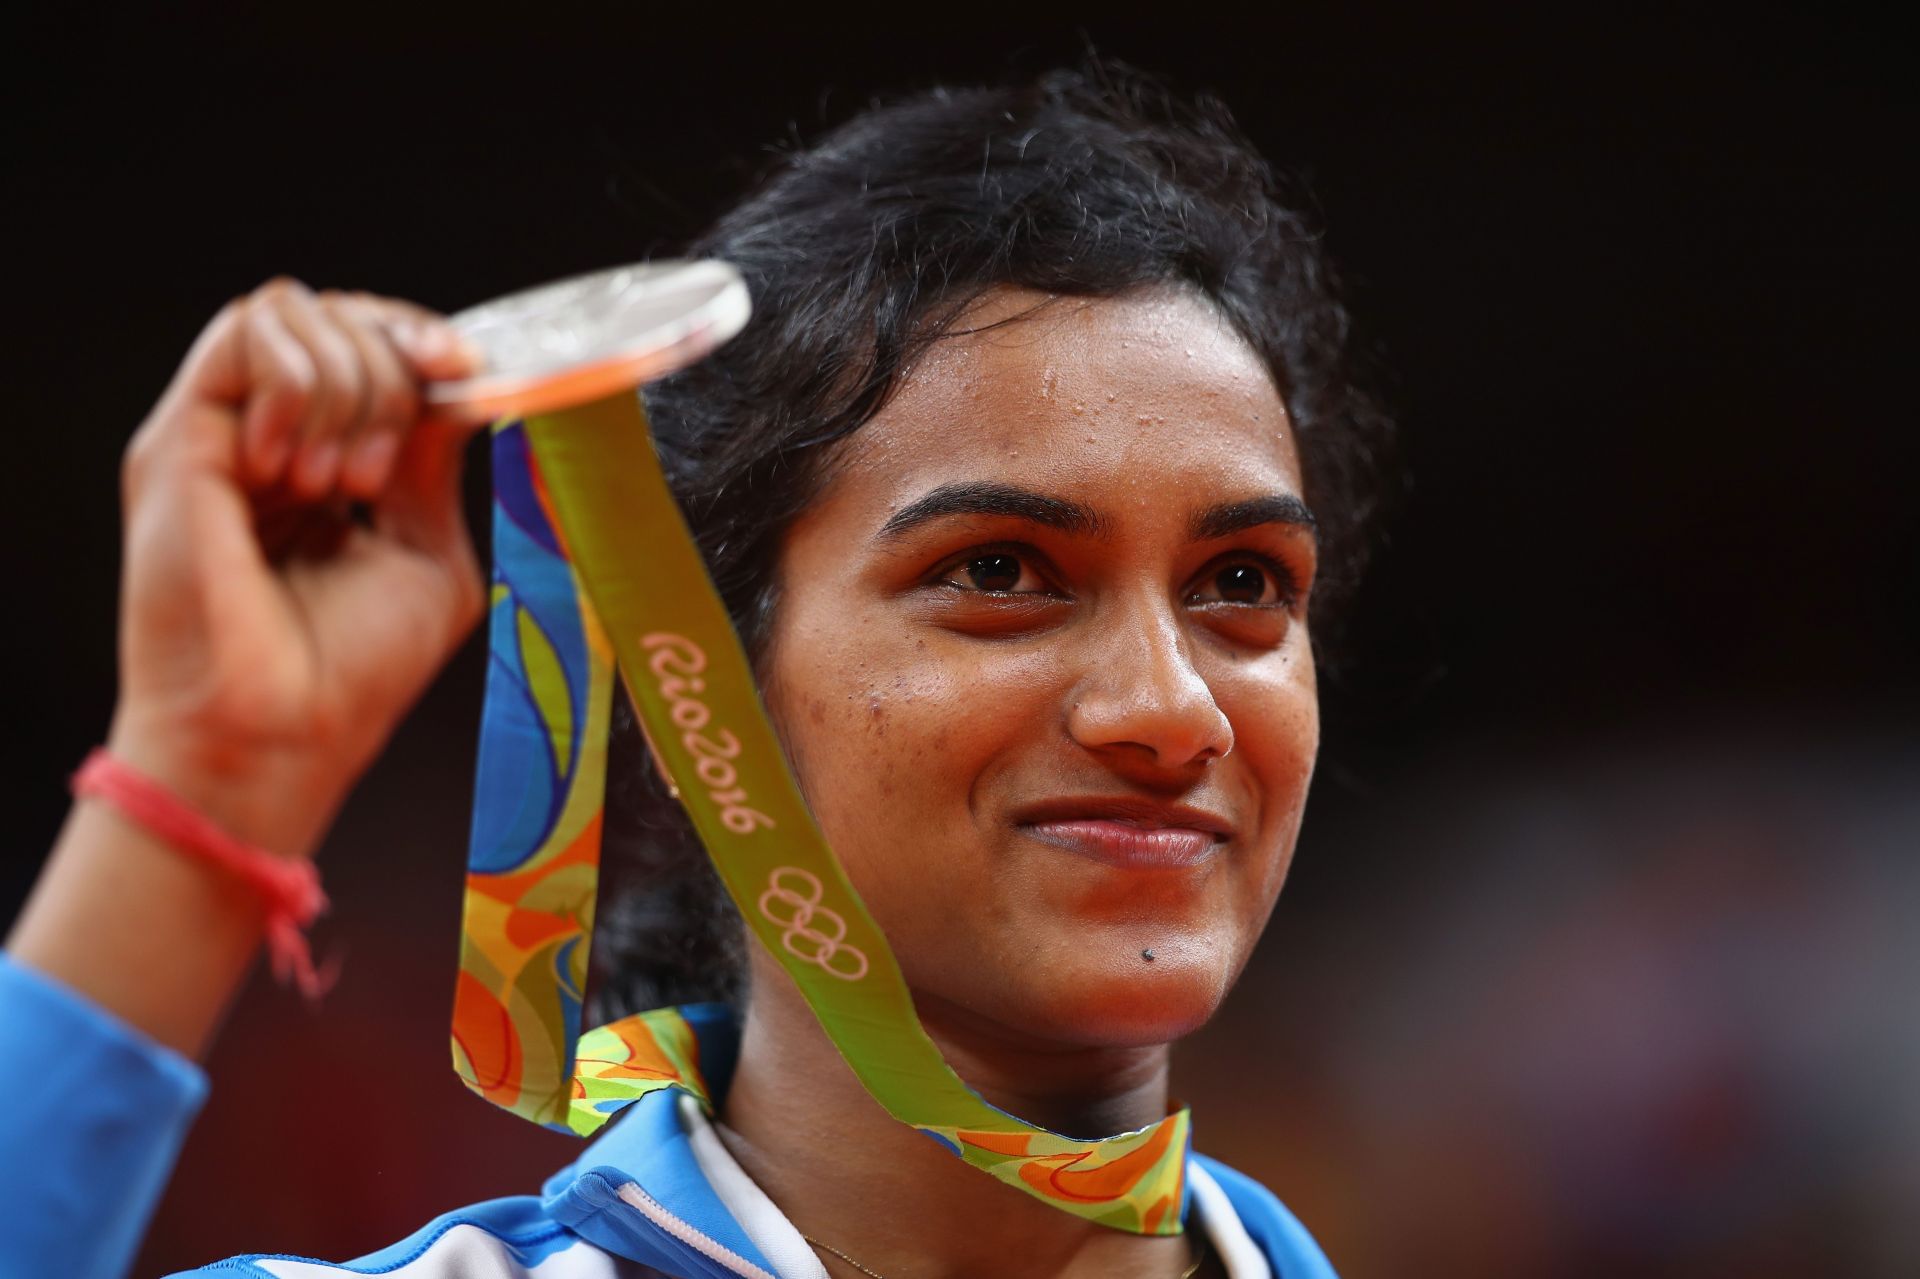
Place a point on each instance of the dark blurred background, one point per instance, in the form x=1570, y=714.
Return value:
x=1598, y=957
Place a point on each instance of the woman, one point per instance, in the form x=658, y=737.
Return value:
x=1017, y=488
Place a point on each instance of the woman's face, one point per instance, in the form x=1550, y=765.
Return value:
x=1041, y=662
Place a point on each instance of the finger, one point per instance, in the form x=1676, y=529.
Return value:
x=215, y=369
x=339, y=393
x=421, y=505
x=436, y=350
x=392, y=399
x=421, y=508
x=281, y=377
x=212, y=374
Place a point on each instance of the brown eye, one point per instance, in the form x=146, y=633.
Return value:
x=1241, y=583
x=993, y=572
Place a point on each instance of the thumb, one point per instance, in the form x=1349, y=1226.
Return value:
x=422, y=507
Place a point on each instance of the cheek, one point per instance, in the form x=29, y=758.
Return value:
x=888, y=730
x=1275, y=711
x=1283, y=739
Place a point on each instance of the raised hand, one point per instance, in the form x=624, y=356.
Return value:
x=297, y=568
x=297, y=564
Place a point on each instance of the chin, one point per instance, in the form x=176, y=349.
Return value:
x=1093, y=1001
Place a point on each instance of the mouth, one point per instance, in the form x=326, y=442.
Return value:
x=1127, y=833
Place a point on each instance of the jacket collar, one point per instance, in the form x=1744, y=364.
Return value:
x=640, y=1190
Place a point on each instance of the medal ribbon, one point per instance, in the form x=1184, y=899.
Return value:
x=595, y=572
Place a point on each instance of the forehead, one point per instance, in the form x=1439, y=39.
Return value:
x=1088, y=397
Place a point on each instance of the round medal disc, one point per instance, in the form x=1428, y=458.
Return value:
x=588, y=337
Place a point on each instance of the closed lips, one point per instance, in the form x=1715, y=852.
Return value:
x=1127, y=833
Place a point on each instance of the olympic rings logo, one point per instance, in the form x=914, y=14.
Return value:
x=791, y=903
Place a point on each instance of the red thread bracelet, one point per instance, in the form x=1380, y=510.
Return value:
x=290, y=888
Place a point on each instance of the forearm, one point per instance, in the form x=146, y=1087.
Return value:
x=149, y=933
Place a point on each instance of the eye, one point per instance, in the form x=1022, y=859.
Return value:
x=1001, y=572
x=1242, y=582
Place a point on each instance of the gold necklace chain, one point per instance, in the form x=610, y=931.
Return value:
x=1199, y=1255
x=827, y=1247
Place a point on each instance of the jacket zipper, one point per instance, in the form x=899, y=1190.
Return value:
x=654, y=1211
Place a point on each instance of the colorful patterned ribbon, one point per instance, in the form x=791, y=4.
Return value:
x=582, y=513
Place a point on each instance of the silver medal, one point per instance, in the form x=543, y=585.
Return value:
x=591, y=336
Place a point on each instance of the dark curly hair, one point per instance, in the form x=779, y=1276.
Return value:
x=860, y=252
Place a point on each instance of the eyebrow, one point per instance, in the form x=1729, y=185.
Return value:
x=1006, y=501
x=1229, y=518
x=1009, y=501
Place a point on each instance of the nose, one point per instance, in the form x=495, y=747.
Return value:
x=1142, y=696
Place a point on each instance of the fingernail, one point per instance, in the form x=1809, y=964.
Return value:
x=367, y=468
x=315, y=467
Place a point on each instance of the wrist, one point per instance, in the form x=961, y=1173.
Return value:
x=274, y=797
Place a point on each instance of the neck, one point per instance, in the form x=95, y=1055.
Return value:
x=885, y=1194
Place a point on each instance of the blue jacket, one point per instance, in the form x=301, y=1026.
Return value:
x=94, y=1115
